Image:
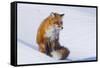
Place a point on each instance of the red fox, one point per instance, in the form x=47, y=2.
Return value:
x=48, y=37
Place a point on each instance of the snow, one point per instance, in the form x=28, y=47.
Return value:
x=78, y=35
x=29, y=55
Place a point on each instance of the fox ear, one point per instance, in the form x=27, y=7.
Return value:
x=62, y=15
x=52, y=14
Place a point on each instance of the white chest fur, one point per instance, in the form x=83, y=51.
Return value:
x=52, y=32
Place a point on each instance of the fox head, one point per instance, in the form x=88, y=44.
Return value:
x=57, y=20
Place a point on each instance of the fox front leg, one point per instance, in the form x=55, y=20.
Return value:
x=48, y=46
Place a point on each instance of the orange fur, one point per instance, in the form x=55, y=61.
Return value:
x=40, y=34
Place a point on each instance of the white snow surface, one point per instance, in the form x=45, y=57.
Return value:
x=27, y=55
x=78, y=35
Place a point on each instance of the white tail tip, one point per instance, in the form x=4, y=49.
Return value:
x=56, y=55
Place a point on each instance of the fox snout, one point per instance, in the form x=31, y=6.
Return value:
x=61, y=27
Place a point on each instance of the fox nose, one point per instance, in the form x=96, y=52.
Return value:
x=61, y=27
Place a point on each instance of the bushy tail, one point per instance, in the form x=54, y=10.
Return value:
x=61, y=53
